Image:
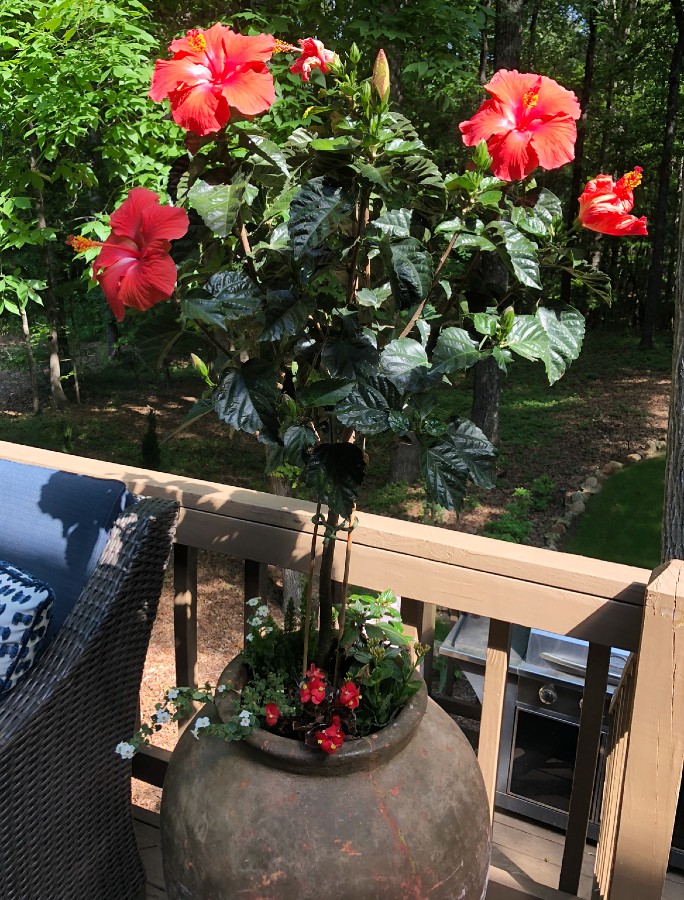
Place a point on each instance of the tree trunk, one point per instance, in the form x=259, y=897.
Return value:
x=292, y=581
x=31, y=361
x=487, y=398
x=405, y=462
x=659, y=219
x=576, y=184
x=50, y=301
x=532, y=36
x=508, y=34
x=673, y=511
x=484, y=44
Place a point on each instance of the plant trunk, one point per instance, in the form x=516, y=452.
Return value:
x=673, y=510
x=659, y=219
x=325, y=592
x=31, y=361
x=484, y=45
x=292, y=581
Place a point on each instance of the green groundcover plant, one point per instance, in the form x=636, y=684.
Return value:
x=333, y=280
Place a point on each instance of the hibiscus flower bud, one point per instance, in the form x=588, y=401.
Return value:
x=381, y=75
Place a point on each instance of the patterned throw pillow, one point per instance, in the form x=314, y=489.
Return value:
x=25, y=611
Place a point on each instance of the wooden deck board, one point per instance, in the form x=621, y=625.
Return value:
x=526, y=859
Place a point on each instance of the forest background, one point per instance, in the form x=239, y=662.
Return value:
x=77, y=131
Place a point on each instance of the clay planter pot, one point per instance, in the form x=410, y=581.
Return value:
x=400, y=814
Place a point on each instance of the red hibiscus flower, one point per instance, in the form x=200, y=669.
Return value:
x=134, y=267
x=604, y=205
x=313, y=56
x=312, y=691
x=212, y=72
x=332, y=738
x=272, y=714
x=528, y=122
x=349, y=695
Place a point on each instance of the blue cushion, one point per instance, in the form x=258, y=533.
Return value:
x=54, y=525
x=25, y=611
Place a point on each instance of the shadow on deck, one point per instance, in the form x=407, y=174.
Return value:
x=526, y=860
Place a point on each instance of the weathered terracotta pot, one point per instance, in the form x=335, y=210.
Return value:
x=400, y=814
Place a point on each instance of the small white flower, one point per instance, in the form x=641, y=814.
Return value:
x=255, y=622
x=202, y=722
x=249, y=637
x=125, y=750
x=262, y=611
x=245, y=718
x=172, y=693
x=254, y=601
x=162, y=716
x=268, y=630
x=221, y=688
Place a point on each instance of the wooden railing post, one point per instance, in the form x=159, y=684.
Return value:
x=185, y=614
x=586, y=758
x=256, y=585
x=655, y=749
x=496, y=673
x=423, y=617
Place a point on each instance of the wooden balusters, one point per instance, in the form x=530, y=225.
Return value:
x=496, y=673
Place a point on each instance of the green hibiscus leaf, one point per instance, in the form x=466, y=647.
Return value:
x=285, y=315
x=564, y=328
x=521, y=253
x=353, y=357
x=326, y=392
x=395, y=224
x=230, y=295
x=315, y=211
x=405, y=364
x=367, y=408
x=335, y=472
x=455, y=351
x=245, y=400
x=463, y=453
x=218, y=204
x=410, y=270
x=297, y=441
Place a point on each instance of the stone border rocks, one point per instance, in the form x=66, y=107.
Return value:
x=576, y=501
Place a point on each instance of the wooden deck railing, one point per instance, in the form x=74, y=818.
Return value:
x=603, y=603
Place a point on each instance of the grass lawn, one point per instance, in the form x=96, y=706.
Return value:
x=623, y=523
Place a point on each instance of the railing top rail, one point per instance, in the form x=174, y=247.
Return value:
x=490, y=577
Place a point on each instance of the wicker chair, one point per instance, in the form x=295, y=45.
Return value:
x=66, y=829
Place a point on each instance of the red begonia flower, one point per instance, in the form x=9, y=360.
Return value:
x=332, y=738
x=212, y=72
x=272, y=713
x=528, y=122
x=313, y=56
x=604, y=205
x=134, y=267
x=312, y=691
x=349, y=695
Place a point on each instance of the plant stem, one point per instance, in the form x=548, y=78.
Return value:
x=414, y=318
x=309, y=590
x=363, y=216
x=345, y=588
x=244, y=240
x=325, y=591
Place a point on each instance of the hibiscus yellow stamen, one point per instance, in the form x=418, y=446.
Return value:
x=632, y=179
x=197, y=41
x=530, y=99
x=283, y=47
x=81, y=244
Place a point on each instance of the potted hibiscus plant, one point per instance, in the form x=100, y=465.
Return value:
x=334, y=281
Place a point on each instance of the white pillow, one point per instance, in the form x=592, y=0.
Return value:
x=25, y=612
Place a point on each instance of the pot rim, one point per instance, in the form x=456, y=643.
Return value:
x=293, y=755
